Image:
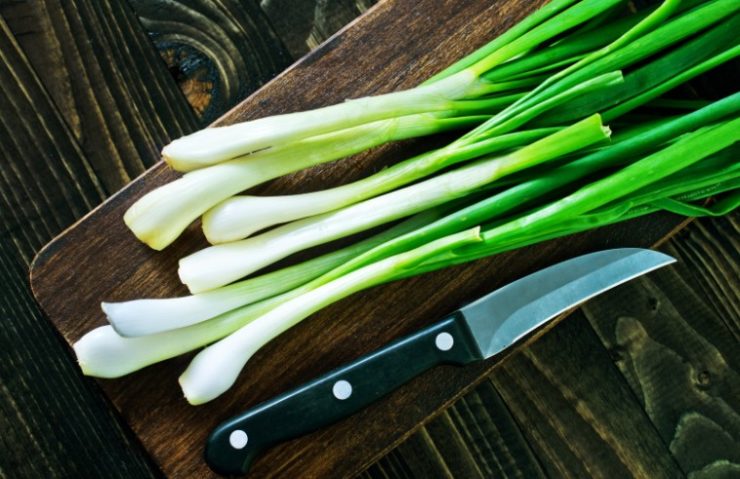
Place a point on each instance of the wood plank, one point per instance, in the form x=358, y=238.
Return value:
x=475, y=437
x=109, y=84
x=46, y=181
x=415, y=43
x=73, y=129
x=577, y=413
x=710, y=266
x=217, y=52
x=53, y=422
x=311, y=22
x=498, y=442
x=679, y=356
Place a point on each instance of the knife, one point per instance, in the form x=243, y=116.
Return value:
x=475, y=332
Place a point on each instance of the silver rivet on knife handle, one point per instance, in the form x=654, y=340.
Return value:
x=238, y=439
x=342, y=389
x=444, y=341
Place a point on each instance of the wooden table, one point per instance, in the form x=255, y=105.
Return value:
x=644, y=381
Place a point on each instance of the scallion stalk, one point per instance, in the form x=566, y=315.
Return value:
x=200, y=384
x=239, y=217
x=229, y=355
x=161, y=215
x=686, y=151
x=221, y=264
x=523, y=184
x=149, y=316
x=634, y=46
x=230, y=141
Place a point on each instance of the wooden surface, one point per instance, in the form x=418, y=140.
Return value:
x=218, y=52
x=99, y=259
x=642, y=382
x=55, y=423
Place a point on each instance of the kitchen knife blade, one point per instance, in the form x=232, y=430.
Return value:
x=477, y=331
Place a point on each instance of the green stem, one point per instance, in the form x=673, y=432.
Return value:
x=229, y=355
x=161, y=215
x=240, y=216
x=693, y=57
x=688, y=150
x=521, y=28
x=221, y=264
x=628, y=50
x=149, y=316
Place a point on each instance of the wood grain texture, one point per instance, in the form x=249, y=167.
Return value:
x=476, y=437
x=577, y=412
x=86, y=106
x=109, y=85
x=53, y=423
x=415, y=43
x=710, y=265
x=678, y=355
x=306, y=24
x=218, y=52
x=708, y=259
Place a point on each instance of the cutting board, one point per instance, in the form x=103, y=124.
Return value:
x=393, y=46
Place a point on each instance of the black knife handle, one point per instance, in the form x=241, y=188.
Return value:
x=234, y=444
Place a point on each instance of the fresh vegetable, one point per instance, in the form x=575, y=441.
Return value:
x=221, y=264
x=259, y=150
x=538, y=165
x=104, y=353
x=161, y=215
x=241, y=216
x=148, y=316
x=200, y=384
x=229, y=355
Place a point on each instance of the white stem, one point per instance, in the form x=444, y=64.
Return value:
x=221, y=264
x=104, y=353
x=142, y=317
x=239, y=217
x=215, y=369
x=218, y=265
x=223, y=143
x=161, y=215
x=150, y=316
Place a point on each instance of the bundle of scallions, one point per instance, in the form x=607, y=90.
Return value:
x=536, y=163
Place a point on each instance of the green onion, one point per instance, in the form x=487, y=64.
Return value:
x=230, y=141
x=148, y=316
x=221, y=264
x=160, y=216
x=229, y=355
x=528, y=191
x=285, y=143
x=654, y=78
x=530, y=176
x=200, y=384
x=626, y=51
x=104, y=353
x=239, y=217
x=688, y=150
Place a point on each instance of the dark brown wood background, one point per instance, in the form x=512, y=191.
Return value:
x=644, y=382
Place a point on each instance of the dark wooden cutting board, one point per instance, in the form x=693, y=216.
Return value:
x=395, y=45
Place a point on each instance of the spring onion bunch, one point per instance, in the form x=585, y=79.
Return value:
x=539, y=165
x=230, y=159
x=241, y=216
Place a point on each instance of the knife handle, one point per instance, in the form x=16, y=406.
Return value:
x=234, y=444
